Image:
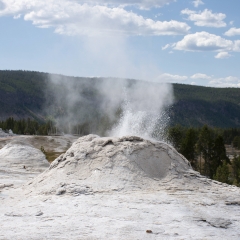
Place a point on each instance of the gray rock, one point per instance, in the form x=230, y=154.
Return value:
x=60, y=191
x=39, y=213
x=219, y=222
x=232, y=203
x=6, y=185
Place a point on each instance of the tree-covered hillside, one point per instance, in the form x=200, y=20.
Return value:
x=21, y=94
x=197, y=106
x=26, y=94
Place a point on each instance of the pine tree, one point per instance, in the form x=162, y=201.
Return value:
x=175, y=136
x=16, y=128
x=236, y=170
x=236, y=142
x=222, y=173
x=218, y=155
x=204, y=148
x=187, y=148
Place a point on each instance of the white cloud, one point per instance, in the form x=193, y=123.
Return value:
x=112, y=3
x=197, y=3
x=205, y=18
x=225, y=82
x=200, y=76
x=231, y=22
x=166, y=46
x=217, y=82
x=143, y=4
x=73, y=18
x=232, y=32
x=17, y=16
x=166, y=77
x=223, y=55
x=204, y=41
x=236, y=47
x=201, y=79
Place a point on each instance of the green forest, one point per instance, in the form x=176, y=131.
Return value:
x=25, y=94
x=205, y=149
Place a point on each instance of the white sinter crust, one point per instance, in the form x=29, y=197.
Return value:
x=116, y=188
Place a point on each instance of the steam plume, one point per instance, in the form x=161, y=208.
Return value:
x=114, y=107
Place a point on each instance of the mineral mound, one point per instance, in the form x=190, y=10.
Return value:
x=18, y=155
x=96, y=164
x=20, y=162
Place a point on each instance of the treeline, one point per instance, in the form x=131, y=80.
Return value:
x=29, y=126
x=205, y=149
x=50, y=127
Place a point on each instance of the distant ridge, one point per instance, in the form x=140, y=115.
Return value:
x=197, y=106
x=23, y=95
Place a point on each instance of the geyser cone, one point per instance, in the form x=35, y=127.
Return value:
x=104, y=164
x=19, y=155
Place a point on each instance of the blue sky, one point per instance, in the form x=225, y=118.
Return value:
x=183, y=41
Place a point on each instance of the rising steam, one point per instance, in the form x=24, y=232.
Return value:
x=113, y=107
x=144, y=111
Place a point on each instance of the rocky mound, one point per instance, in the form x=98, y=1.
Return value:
x=136, y=189
x=95, y=164
x=6, y=134
x=20, y=156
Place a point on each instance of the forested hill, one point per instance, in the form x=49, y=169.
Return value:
x=197, y=106
x=23, y=94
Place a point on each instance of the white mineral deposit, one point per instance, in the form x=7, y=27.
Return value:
x=112, y=188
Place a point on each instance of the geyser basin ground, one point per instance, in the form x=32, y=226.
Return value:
x=117, y=188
